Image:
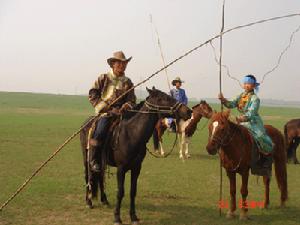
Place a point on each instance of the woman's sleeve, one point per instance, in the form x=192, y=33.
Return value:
x=233, y=103
x=253, y=109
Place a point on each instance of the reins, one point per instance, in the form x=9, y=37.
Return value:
x=223, y=142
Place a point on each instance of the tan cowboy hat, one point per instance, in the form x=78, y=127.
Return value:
x=177, y=79
x=118, y=56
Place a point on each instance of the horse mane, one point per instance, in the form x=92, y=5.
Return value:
x=192, y=126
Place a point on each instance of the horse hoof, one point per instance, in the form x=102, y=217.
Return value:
x=188, y=156
x=135, y=223
x=117, y=223
x=230, y=215
x=181, y=157
x=89, y=206
x=282, y=205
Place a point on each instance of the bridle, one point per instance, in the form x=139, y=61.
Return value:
x=204, y=113
x=163, y=109
x=225, y=140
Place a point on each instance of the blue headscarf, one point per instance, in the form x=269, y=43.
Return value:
x=250, y=79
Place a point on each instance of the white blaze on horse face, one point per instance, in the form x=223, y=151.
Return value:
x=215, y=125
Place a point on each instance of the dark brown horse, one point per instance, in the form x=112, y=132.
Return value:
x=235, y=144
x=292, y=139
x=185, y=129
x=126, y=147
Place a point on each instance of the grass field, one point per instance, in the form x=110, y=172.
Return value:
x=170, y=191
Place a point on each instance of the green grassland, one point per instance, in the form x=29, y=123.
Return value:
x=170, y=191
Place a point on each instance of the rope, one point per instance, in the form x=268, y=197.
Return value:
x=268, y=72
x=165, y=155
x=281, y=54
x=140, y=83
x=225, y=66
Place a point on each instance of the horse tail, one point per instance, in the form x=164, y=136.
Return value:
x=280, y=166
x=155, y=139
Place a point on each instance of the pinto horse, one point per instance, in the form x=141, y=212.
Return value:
x=292, y=139
x=185, y=129
x=235, y=144
x=126, y=147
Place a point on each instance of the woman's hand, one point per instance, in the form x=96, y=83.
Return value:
x=221, y=97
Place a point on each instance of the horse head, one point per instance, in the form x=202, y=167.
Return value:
x=160, y=101
x=219, y=130
x=203, y=109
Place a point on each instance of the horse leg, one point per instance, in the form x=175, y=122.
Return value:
x=180, y=146
x=160, y=134
x=244, y=193
x=134, y=177
x=186, y=145
x=295, y=145
x=87, y=176
x=232, y=179
x=162, y=152
x=267, y=191
x=120, y=194
x=103, y=199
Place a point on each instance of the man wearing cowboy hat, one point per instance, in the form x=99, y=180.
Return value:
x=106, y=89
x=179, y=94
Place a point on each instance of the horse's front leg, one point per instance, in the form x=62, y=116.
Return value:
x=180, y=145
x=232, y=179
x=120, y=194
x=244, y=193
x=267, y=191
x=162, y=152
x=186, y=145
x=134, y=177
x=103, y=197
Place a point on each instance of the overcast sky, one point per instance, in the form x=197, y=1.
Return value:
x=61, y=46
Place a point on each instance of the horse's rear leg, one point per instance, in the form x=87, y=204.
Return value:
x=295, y=160
x=134, y=177
x=267, y=180
x=244, y=193
x=232, y=179
x=120, y=194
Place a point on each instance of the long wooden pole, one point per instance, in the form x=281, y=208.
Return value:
x=220, y=87
x=161, y=52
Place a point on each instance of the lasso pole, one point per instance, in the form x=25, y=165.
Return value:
x=161, y=52
x=220, y=87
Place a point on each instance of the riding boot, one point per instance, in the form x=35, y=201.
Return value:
x=265, y=161
x=94, y=153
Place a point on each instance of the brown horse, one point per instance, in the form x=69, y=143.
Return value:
x=292, y=139
x=185, y=129
x=235, y=144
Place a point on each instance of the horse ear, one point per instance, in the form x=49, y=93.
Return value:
x=149, y=90
x=226, y=113
x=153, y=88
